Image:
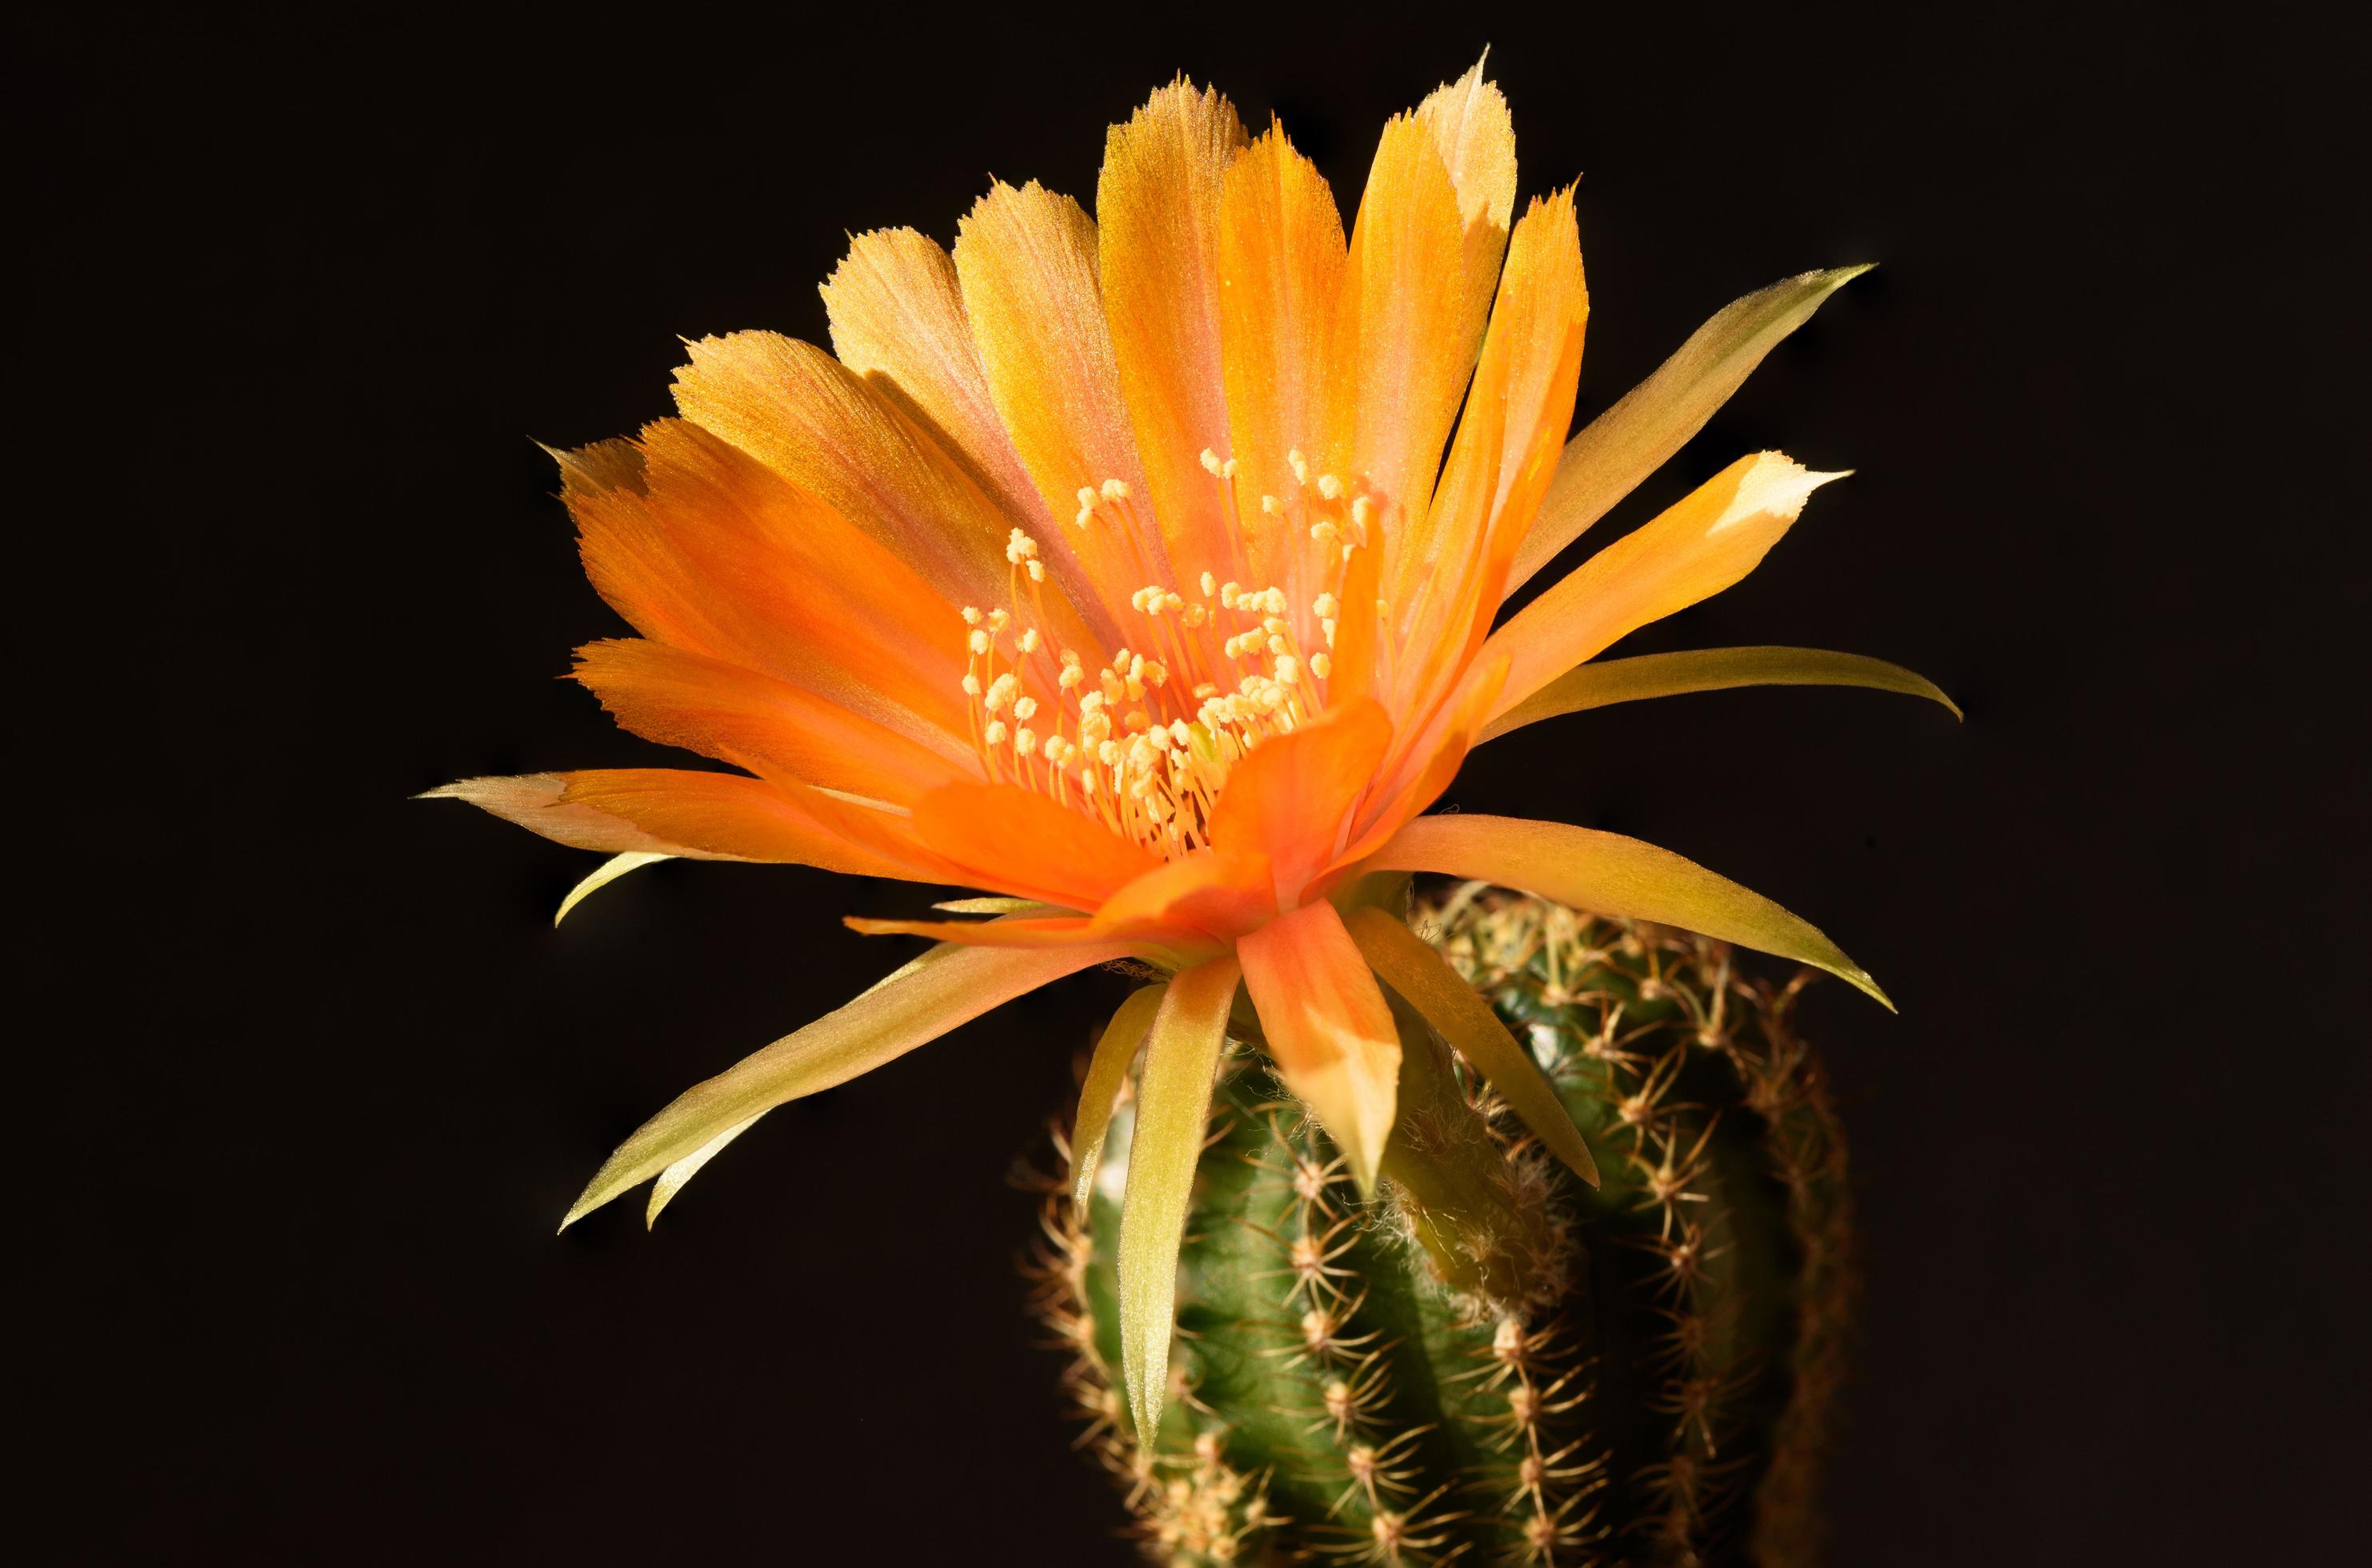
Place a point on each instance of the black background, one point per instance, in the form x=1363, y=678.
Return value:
x=307, y=1077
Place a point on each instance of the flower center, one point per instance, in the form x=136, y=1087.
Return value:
x=1143, y=740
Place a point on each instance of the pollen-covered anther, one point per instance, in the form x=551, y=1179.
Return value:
x=1330, y=487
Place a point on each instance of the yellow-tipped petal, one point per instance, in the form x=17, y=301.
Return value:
x=672, y=1178
x=1476, y=137
x=1173, y=1108
x=1655, y=419
x=1106, y=1070
x=1329, y=1030
x=1405, y=340
x=609, y=871
x=897, y=315
x=946, y=986
x=1157, y=236
x=1611, y=875
x=1027, y=260
x=1280, y=260
x=1712, y=537
x=1473, y=1029
x=1709, y=670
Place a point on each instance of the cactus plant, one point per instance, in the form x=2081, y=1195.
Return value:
x=1637, y=1373
x=1153, y=576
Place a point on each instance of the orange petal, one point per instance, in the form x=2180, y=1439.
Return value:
x=672, y=811
x=1507, y=443
x=1203, y=897
x=702, y=547
x=836, y=437
x=1071, y=932
x=1711, y=539
x=1615, y=876
x=1025, y=258
x=1476, y=138
x=945, y=987
x=1403, y=337
x=897, y=319
x=1158, y=228
x=1286, y=803
x=1417, y=778
x=1023, y=842
x=1280, y=260
x=1329, y=1030
x=769, y=727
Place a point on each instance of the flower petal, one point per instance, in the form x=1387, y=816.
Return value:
x=1019, y=841
x=701, y=547
x=1611, y=875
x=945, y=987
x=1329, y=1030
x=1476, y=138
x=609, y=871
x=1157, y=229
x=896, y=316
x=834, y=435
x=1061, y=931
x=1655, y=419
x=1609, y=681
x=700, y=816
x=897, y=319
x=1204, y=895
x=1403, y=962
x=1286, y=803
x=671, y=1181
x=1173, y=1112
x=1281, y=261
x=1107, y=1071
x=1425, y=769
x=1403, y=340
x=1027, y=260
x=769, y=727
x=1712, y=537
x=1516, y=416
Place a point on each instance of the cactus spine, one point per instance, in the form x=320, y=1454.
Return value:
x=1492, y=1363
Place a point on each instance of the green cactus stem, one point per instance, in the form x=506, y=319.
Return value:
x=1492, y=1362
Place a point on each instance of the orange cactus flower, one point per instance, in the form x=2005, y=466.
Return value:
x=1142, y=570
